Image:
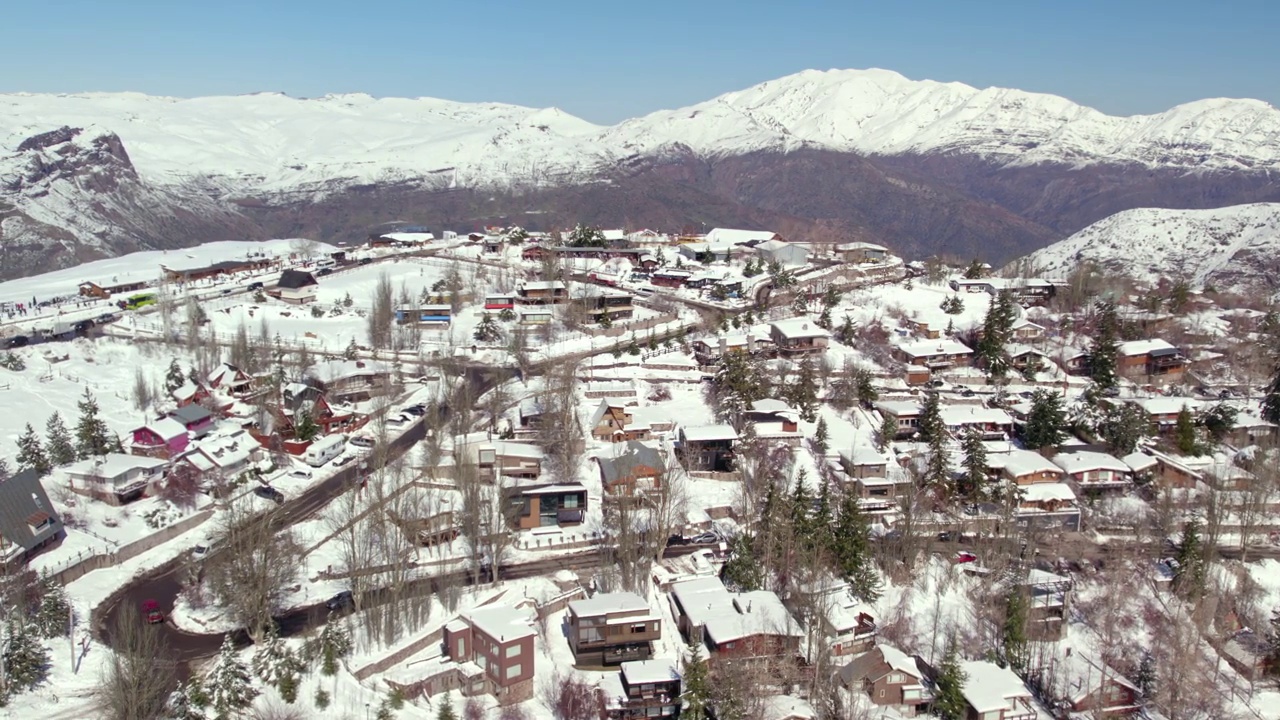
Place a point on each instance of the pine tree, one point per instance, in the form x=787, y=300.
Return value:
x=187, y=702
x=25, y=658
x=937, y=471
x=352, y=351
x=1185, y=433
x=888, y=431
x=1045, y=421
x=273, y=660
x=948, y=699
x=997, y=332
x=975, y=464
x=1122, y=427
x=930, y=426
x=1147, y=677
x=695, y=698
x=58, y=441
x=306, y=430
x=92, y=437
x=851, y=542
x=446, y=710
x=334, y=645
x=53, y=617
x=742, y=571
x=1189, y=576
x=820, y=437
x=31, y=455
x=1105, y=348
x=1013, y=634
x=174, y=379
x=229, y=684
x=803, y=393
x=488, y=329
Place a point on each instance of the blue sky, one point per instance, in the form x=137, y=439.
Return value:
x=606, y=61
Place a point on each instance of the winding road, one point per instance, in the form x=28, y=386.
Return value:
x=163, y=583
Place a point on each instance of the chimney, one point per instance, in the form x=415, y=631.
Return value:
x=360, y=364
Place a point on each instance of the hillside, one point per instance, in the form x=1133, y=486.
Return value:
x=926, y=167
x=1235, y=248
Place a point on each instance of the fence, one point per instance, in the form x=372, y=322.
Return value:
x=90, y=562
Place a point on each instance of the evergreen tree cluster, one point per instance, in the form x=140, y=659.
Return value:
x=997, y=333
x=835, y=530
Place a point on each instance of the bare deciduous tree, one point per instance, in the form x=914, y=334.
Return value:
x=138, y=675
x=252, y=568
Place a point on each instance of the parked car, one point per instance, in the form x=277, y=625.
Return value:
x=340, y=601
x=199, y=552
x=415, y=410
x=363, y=443
x=342, y=460
x=706, y=538
x=325, y=271
x=300, y=473
x=270, y=493
x=964, y=556
x=677, y=540
x=151, y=612
x=365, y=261
x=17, y=341
x=935, y=383
x=256, y=285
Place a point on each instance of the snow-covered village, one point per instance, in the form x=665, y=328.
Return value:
x=619, y=474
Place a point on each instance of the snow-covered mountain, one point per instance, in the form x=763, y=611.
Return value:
x=882, y=112
x=1233, y=248
x=922, y=165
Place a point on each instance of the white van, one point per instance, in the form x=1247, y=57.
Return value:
x=326, y=263
x=325, y=449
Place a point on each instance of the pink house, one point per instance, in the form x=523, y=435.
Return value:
x=162, y=438
x=195, y=418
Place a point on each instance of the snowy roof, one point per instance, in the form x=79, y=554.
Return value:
x=738, y=237
x=775, y=244
x=1022, y=462
x=899, y=660
x=770, y=405
x=953, y=415
x=1139, y=461
x=787, y=707
x=991, y=687
x=614, y=234
x=844, y=615
x=504, y=624
x=1083, y=461
x=622, y=466
x=166, y=428
x=657, y=670
x=1023, y=322
x=1018, y=350
x=799, y=327
x=605, y=603
x=1133, y=348
x=759, y=612
x=542, y=285
x=702, y=598
x=1079, y=676
x=861, y=246
x=296, y=279
x=899, y=408
x=1166, y=405
x=112, y=465
x=1044, y=492
x=410, y=236
x=334, y=370
x=929, y=348
x=706, y=433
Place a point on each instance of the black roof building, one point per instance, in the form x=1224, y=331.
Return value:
x=27, y=518
x=295, y=279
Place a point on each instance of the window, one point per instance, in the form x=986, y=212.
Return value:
x=462, y=647
x=570, y=501
x=511, y=652
x=513, y=671
x=881, y=692
x=482, y=661
x=639, y=628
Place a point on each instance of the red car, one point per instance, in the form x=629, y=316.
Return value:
x=964, y=556
x=151, y=612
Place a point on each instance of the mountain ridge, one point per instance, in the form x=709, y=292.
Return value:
x=926, y=167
